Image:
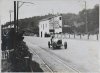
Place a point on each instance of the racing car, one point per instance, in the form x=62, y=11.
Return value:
x=56, y=43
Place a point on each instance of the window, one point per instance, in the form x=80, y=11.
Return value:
x=59, y=18
x=43, y=26
x=46, y=25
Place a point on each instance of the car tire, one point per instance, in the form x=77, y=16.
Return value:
x=49, y=44
x=54, y=45
x=65, y=45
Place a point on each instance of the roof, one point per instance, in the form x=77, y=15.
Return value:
x=48, y=18
x=67, y=26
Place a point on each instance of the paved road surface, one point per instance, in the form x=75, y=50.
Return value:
x=81, y=55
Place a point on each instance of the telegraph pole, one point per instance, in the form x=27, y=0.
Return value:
x=17, y=13
x=14, y=25
x=10, y=18
x=10, y=11
x=15, y=16
x=86, y=18
x=53, y=22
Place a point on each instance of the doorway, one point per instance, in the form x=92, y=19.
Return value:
x=41, y=34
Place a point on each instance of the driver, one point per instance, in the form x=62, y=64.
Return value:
x=52, y=39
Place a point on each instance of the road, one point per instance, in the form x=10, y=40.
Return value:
x=80, y=56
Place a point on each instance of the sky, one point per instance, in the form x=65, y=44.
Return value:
x=43, y=7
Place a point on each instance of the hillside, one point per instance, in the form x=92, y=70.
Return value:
x=77, y=22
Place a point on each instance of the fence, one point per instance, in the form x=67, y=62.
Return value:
x=80, y=36
x=26, y=61
x=5, y=54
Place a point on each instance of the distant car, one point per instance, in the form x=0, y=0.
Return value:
x=56, y=43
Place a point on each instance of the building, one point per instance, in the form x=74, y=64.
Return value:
x=49, y=25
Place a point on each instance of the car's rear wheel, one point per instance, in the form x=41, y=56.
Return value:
x=54, y=45
x=49, y=44
x=65, y=45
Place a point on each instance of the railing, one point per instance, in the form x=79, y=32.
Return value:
x=5, y=54
x=26, y=60
x=81, y=36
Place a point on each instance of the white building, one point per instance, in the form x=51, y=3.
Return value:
x=48, y=25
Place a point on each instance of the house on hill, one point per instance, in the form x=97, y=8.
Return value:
x=50, y=25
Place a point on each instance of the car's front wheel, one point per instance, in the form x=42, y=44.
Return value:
x=49, y=44
x=65, y=45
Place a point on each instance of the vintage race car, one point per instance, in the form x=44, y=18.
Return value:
x=56, y=43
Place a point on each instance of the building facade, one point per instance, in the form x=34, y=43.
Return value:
x=49, y=25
